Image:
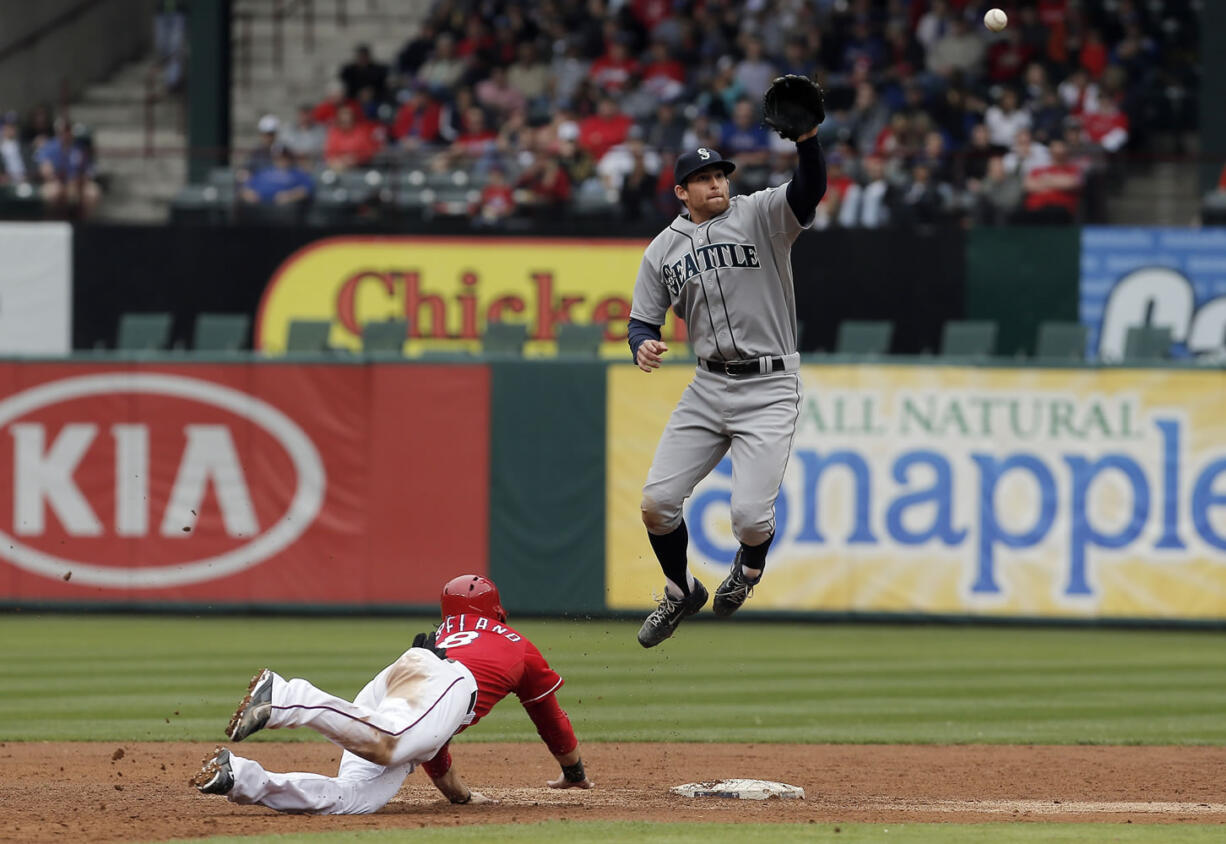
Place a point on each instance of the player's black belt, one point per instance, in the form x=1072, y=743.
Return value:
x=472, y=703
x=739, y=368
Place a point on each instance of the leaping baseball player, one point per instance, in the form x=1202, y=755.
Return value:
x=724, y=266
x=404, y=717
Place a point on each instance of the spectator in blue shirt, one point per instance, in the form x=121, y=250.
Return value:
x=743, y=134
x=284, y=183
x=796, y=59
x=747, y=142
x=67, y=173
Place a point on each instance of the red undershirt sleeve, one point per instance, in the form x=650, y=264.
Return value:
x=552, y=725
x=440, y=764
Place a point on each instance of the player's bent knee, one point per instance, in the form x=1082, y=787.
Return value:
x=752, y=527
x=659, y=519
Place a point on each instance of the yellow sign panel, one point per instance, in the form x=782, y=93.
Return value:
x=969, y=491
x=448, y=289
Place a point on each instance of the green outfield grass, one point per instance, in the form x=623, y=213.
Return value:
x=908, y=833
x=116, y=678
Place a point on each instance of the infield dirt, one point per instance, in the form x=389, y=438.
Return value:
x=138, y=791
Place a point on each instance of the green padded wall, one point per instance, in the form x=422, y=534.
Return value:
x=547, y=486
x=1020, y=277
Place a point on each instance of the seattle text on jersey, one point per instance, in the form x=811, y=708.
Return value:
x=721, y=256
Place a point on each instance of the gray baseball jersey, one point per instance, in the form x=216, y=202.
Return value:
x=729, y=278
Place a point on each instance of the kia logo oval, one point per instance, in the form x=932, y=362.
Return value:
x=51, y=469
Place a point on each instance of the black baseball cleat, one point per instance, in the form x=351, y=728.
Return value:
x=254, y=709
x=215, y=775
x=730, y=594
x=665, y=618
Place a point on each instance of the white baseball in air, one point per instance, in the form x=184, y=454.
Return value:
x=995, y=20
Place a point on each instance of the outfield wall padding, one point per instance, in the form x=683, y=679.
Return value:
x=1019, y=277
x=547, y=477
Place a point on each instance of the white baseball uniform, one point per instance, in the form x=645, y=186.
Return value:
x=400, y=719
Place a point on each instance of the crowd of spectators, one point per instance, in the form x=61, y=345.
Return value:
x=49, y=158
x=931, y=117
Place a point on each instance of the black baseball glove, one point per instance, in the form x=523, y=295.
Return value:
x=427, y=641
x=793, y=105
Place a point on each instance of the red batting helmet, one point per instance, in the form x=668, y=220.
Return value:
x=472, y=593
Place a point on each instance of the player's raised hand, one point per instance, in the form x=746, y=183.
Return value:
x=649, y=354
x=563, y=782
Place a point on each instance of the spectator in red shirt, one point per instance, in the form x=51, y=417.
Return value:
x=406, y=716
x=838, y=182
x=1052, y=12
x=606, y=128
x=1221, y=182
x=649, y=13
x=663, y=75
x=1094, y=54
x=1106, y=125
x=1008, y=57
x=350, y=143
x=417, y=120
x=475, y=143
x=544, y=186
x=476, y=41
x=1053, y=191
x=497, y=201
x=476, y=137
x=325, y=113
x=612, y=71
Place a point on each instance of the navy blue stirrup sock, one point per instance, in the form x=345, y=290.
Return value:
x=671, y=550
x=754, y=556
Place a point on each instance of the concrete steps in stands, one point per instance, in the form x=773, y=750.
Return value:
x=1166, y=194
x=139, y=187
x=134, y=210
x=262, y=87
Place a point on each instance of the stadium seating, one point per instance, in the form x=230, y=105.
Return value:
x=968, y=339
x=385, y=337
x=504, y=339
x=580, y=340
x=309, y=336
x=1145, y=343
x=1061, y=341
x=144, y=332
x=864, y=337
x=221, y=332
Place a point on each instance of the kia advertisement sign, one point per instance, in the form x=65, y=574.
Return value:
x=249, y=483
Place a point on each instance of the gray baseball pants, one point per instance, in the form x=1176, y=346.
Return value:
x=754, y=418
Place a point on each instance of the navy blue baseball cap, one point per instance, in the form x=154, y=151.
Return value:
x=691, y=162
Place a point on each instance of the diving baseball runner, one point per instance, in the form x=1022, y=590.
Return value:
x=447, y=681
x=724, y=266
